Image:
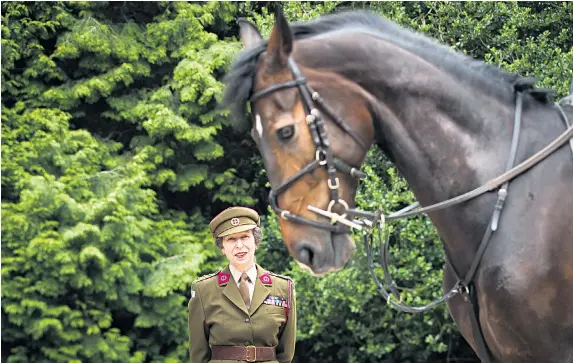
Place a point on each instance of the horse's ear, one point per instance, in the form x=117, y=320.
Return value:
x=280, y=42
x=250, y=35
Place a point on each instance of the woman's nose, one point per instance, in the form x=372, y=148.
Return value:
x=240, y=243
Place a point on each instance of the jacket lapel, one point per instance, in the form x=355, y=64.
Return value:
x=231, y=291
x=261, y=291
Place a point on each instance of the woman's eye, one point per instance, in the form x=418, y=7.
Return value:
x=285, y=133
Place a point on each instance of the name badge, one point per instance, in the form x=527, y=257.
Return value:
x=276, y=301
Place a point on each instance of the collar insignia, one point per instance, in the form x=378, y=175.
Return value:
x=266, y=279
x=223, y=278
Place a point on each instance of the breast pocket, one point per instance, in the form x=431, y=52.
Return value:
x=276, y=313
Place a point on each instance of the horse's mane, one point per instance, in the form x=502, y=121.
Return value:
x=239, y=80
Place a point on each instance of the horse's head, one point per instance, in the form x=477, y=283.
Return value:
x=313, y=129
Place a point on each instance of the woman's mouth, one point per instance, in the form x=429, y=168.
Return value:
x=240, y=255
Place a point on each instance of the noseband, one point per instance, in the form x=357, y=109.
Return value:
x=324, y=156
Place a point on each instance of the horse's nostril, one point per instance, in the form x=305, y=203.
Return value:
x=305, y=254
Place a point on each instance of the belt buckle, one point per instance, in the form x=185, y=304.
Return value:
x=254, y=353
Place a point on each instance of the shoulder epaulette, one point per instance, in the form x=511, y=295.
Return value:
x=281, y=276
x=205, y=277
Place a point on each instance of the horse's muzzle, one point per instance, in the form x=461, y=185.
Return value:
x=327, y=255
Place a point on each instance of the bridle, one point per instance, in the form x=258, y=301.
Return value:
x=368, y=221
x=324, y=156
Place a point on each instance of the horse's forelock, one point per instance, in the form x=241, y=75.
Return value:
x=239, y=83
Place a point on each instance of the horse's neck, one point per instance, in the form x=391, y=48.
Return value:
x=446, y=144
x=445, y=140
x=443, y=135
x=453, y=141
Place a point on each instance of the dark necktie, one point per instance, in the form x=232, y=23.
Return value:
x=244, y=290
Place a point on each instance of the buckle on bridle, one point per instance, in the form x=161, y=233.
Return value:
x=335, y=185
x=321, y=161
x=332, y=204
x=254, y=353
x=463, y=289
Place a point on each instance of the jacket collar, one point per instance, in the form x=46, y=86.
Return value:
x=261, y=289
x=252, y=273
x=231, y=291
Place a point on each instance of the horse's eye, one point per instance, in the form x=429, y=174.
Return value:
x=285, y=133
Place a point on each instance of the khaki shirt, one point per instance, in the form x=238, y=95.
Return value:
x=218, y=315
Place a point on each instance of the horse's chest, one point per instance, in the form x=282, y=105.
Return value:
x=520, y=312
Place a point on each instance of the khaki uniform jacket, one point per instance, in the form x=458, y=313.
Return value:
x=218, y=315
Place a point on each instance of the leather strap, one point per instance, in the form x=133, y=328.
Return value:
x=479, y=339
x=248, y=353
x=564, y=117
x=496, y=182
x=294, y=83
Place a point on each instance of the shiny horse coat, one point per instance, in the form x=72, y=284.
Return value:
x=446, y=122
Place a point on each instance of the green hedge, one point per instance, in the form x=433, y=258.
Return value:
x=115, y=157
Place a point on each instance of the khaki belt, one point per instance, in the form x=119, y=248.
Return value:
x=248, y=353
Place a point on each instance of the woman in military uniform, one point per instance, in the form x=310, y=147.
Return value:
x=242, y=313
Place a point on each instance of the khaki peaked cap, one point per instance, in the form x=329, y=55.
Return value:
x=234, y=220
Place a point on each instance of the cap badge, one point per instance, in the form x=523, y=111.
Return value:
x=235, y=222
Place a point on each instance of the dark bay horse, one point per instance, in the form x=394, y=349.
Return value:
x=447, y=122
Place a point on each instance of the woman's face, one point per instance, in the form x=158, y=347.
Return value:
x=239, y=248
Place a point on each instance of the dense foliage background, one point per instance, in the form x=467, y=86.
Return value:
x=115, y=157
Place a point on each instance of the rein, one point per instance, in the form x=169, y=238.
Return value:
x=368, y=221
